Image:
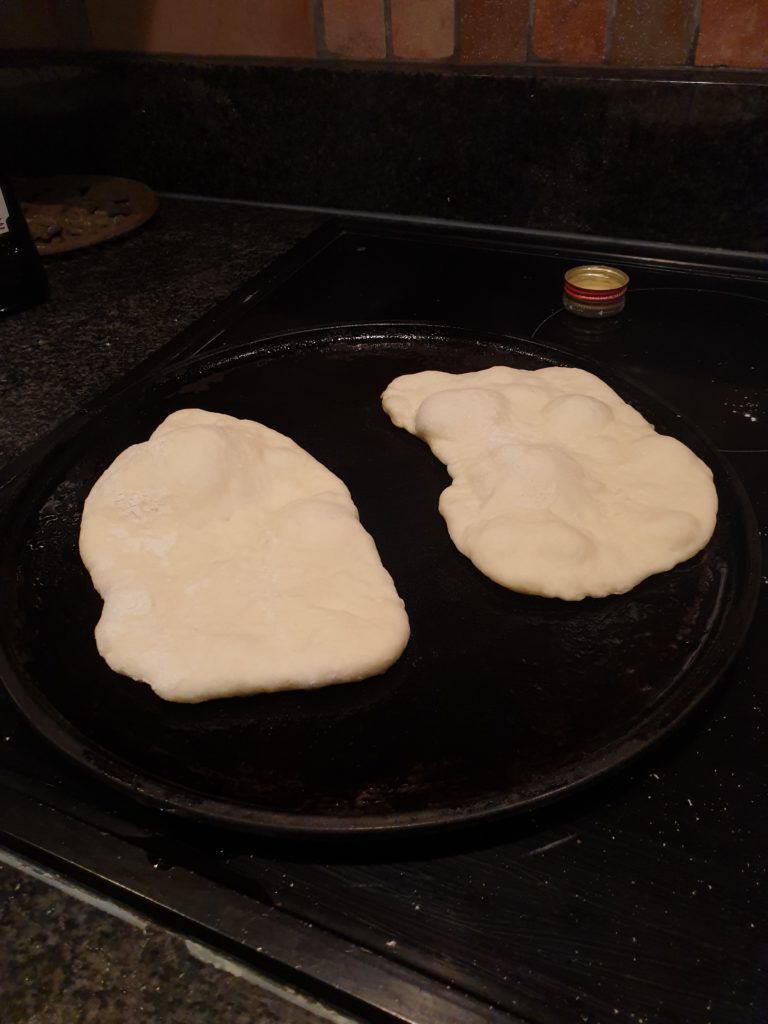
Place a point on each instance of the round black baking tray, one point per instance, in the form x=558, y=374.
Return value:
x=501, y=701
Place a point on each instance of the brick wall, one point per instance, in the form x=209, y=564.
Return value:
x=619, y=33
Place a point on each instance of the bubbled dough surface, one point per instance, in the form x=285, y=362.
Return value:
x=232, y=562
x=559, y=487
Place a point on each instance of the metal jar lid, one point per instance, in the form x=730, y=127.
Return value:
x=595, y=291
x=593, y=283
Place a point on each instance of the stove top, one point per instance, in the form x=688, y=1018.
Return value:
x=638, y=899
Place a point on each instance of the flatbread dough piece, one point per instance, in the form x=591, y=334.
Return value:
x=232, y=562
x=559, y=487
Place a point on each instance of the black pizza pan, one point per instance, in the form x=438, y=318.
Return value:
x=501, y=701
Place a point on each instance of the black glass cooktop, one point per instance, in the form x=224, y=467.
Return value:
x=639, y=898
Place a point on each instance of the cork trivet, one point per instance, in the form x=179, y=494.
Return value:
x=73, y=211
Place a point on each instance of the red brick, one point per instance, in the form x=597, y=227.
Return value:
x=264, y=28
x=652, y=33
x=355, y=28
x=54, y=24
x=570, y=31
x=735, y=33
x=423, y=29
x=119, y=26
x=493, y=31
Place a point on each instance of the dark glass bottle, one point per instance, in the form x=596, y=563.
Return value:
x=22, y=279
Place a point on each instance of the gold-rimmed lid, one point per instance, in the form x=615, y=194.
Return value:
x=593, y=277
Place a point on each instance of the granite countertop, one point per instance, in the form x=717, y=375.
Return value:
x=112, y=305
x=68, y=956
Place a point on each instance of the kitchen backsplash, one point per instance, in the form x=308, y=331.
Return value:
x=617, y=33
x=669, y=156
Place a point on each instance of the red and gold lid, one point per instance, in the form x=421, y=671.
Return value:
x=593, y=283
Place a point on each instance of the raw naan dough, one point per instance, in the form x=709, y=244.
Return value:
x=232, y=562
x=559, y=487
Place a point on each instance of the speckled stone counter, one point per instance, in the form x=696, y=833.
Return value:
x=66, y=960
x=112, y=305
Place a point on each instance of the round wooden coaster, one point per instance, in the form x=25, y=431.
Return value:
x=73, y=211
